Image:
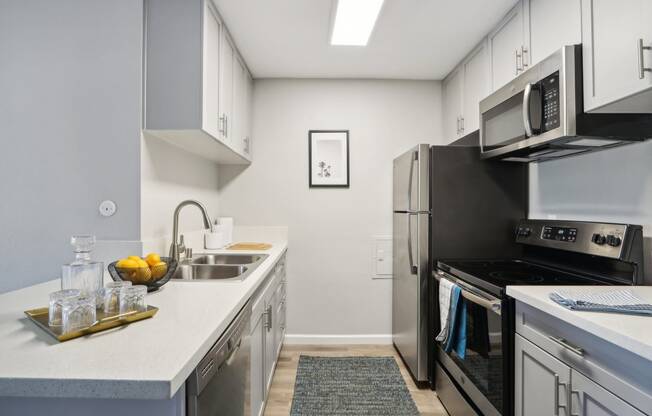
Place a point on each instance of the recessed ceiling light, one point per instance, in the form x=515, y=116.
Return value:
x=354, y=21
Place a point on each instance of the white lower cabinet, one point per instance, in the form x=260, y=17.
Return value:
x=267, y=334
x=542, y=381
x=562, y=370
x=589, y=399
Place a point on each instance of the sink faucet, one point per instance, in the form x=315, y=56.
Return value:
x=176, y=243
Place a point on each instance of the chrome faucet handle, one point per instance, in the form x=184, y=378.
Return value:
x=188, y=253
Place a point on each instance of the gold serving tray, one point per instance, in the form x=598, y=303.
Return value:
x=104, y=322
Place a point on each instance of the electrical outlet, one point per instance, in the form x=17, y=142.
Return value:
x=107, y=208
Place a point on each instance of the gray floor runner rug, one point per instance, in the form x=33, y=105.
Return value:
x=338, y=386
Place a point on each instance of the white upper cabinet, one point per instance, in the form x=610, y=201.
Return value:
x=508, y=49
x=476, y=87
x=211, y=71
x=463, y=89
x=249, y=108
x=227, y=83
x=452, y=98
x=552, y=24
x=189, y=85
x=617, y=58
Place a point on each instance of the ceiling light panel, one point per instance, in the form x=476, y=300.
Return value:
x=354, y=21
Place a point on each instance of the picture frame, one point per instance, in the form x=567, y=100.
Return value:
x=328, y=159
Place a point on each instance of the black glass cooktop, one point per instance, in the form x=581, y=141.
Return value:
x=498, y=274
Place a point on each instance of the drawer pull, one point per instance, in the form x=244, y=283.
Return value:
x=574, y=348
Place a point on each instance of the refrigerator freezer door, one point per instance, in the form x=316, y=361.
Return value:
x=409, y=291
x=411, y=184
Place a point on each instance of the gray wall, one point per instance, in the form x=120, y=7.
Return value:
x=70, y=117
x=613, y=185
x=330, y=263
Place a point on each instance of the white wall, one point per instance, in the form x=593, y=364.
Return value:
x=330, y=230
x=70, y=115
x=613, y=185
x=170, y=176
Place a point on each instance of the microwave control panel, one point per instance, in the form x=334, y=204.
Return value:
x=550, y=97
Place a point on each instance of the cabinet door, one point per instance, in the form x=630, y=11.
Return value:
x=611, y=31
x=476, y=87
x=211, y=71
x=239, y=105
x=257, y=364
x=589, y=399
x=227, y=57
x=541, y=381
x=553, y=24
x=452, y=92
x=506, y=46
x=270, y=347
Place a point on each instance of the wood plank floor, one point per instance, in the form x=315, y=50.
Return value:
x=280, y=396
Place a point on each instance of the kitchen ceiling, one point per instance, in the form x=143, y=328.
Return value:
x=413, y=39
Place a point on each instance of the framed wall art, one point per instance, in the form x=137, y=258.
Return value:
x=328, y=158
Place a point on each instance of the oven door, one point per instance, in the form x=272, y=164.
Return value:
x=481, y=373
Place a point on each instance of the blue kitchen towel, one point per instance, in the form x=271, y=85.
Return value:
x=457, y=327
x=460, y=338
x=614, y=301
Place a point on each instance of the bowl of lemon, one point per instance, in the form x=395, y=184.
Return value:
x=152, y=271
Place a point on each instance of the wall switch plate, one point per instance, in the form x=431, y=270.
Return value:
x=107, y=208
x=383, y=254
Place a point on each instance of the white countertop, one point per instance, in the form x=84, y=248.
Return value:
x=630, y=332
x=150, y=359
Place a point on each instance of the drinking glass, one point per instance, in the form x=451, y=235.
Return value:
x=133, y=299
x=78, y=313
x=56, y=301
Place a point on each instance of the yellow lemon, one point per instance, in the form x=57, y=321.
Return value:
x=127, y=264
x=153, y=259
x=135, y=258
x=144, y=275
x=159, y=269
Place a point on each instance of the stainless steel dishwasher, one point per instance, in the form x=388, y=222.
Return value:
x=220, y=385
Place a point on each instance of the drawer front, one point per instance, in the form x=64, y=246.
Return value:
x=621, y=372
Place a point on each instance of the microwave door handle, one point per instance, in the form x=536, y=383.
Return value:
x=527, y=121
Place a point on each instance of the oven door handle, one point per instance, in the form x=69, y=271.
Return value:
x=487, y=302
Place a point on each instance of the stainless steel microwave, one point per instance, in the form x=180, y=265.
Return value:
x=539, y=115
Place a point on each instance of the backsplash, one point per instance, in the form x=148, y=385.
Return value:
x=613, y=186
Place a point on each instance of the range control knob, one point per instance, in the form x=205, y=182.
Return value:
x=613, y=240
x=599, y=239
x=523, y=232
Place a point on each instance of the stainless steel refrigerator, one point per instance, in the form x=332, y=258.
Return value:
x=410, y=258
x=448, y=204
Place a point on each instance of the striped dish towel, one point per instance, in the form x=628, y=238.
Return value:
x=615, y=301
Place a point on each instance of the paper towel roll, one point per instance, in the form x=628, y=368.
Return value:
x=227, y=224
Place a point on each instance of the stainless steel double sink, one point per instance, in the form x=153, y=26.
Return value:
x=218, y=266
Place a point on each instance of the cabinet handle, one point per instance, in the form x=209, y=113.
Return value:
x=641, y=59
x=574, y=348
x=462, y=125
x=226, y=126
x=524, y=63
x=557, y=404
x=268, y=318
x=246, y=140
x=516, y=65
x=222, y=121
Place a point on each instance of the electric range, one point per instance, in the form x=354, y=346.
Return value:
x=554, y=253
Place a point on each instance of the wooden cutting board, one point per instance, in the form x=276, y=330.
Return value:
x=249, y=246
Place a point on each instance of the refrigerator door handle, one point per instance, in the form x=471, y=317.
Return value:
x=413, y=269
x=409, y=195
